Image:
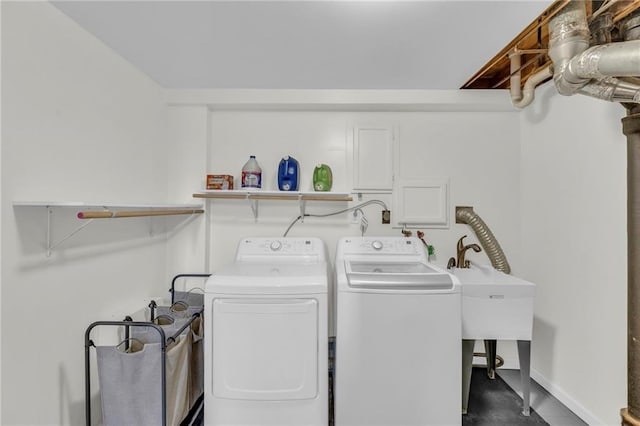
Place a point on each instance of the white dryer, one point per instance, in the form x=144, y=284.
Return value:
x=398, y=340
x=266, y=335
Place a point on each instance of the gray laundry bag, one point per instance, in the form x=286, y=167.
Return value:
x=131, y=382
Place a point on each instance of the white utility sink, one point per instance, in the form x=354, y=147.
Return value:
x=495, y=305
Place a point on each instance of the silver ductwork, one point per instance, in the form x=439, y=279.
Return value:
x=631, y=28
x=604, y=71
x=486, y=238
x=612, y=89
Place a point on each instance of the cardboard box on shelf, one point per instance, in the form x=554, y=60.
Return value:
x=219, y=182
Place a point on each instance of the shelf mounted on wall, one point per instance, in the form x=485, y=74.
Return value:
x=88, y=213
x=254, y=196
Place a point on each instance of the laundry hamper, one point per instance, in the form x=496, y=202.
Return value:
x=144, y=380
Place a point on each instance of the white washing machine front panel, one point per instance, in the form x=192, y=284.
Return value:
x=266, y=335
x=398, y=341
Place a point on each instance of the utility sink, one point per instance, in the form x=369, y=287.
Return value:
x=495, y=305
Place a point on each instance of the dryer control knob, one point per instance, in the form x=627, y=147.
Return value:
x=377, y=245
x=275, y=245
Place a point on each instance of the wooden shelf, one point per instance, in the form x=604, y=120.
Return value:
x=83, y=205
x=239, y=194
x=256, y=195
x=90, y=211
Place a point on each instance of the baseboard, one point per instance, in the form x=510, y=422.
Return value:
x=558, y=393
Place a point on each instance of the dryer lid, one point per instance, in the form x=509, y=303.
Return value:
x=269, y=278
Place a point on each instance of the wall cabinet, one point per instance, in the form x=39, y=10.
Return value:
x=373, y=158
x=421, y=202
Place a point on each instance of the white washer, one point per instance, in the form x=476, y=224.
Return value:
x=266, y=335
x=398, y=341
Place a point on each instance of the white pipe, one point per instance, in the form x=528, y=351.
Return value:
x=528, y=93
x=516, y=80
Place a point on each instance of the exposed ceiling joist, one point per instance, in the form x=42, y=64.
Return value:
x=533, y=42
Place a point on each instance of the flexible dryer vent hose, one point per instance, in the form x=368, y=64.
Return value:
x=499, y=261
x=485, y=237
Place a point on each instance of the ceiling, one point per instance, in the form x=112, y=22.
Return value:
x=299, y=44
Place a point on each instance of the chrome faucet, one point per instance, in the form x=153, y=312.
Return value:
x=462, y=249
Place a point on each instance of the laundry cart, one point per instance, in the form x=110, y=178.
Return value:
x=154, y=375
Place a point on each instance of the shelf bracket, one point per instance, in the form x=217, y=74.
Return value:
x=50, y=244
x=90, y=216
x=254, y=206
x=302, y=202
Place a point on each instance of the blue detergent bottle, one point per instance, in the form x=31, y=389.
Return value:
x=288, y=174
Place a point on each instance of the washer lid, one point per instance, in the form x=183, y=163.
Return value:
x=397, y=276
x=269, y=278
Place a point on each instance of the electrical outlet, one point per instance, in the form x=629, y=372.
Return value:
x=355, y=216
x=386, y=217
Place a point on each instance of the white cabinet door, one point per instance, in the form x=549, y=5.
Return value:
x=373, y=158
x=422, y=202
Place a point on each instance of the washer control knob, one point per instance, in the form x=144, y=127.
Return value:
x=377, y=245
x=275, y=245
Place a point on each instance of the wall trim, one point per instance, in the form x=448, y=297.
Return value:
x=562, y=396
x=344, y=100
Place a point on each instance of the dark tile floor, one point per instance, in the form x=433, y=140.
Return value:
x=547, y=406
x=496, y=403
x=493, y=402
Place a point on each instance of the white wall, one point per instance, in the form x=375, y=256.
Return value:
x=187, y=133
x=478, y=151
x=574, y=248
x=79, y=124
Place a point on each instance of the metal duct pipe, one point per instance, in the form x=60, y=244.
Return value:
x=630, y=28
x=591, y=71
x=486, y=238
x=606, y=60
x=612, y=89
x=568, y=37
x=631, y=128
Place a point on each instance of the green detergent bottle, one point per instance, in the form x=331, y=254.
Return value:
x=322, y=178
